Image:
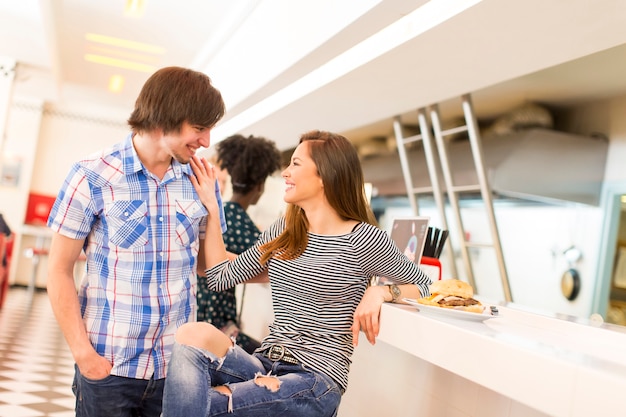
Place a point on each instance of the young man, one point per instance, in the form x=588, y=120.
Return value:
x=134, y=211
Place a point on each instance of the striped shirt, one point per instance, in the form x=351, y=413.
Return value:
x=315, y=295
x=141, y=241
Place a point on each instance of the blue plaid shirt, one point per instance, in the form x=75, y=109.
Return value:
x=141, y=241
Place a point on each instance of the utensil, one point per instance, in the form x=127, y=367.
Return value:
x=435, y=241
x=441, y=243
x=428, y=245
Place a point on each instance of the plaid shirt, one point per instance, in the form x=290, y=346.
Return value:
x=141, y=241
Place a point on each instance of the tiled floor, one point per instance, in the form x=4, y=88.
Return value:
x=36, y=368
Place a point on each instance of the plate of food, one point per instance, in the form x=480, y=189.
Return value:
x=453, y=298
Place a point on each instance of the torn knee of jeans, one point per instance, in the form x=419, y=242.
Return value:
x=268, y=381
x=225, y=390
x=220, y=361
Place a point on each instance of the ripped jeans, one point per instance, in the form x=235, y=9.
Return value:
x=251, y=379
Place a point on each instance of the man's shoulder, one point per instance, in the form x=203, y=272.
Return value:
x=108, y=162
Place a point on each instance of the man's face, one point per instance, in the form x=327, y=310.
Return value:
x=184, y=144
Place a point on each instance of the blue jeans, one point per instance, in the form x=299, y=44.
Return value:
x=193, y=371
x=116, y=396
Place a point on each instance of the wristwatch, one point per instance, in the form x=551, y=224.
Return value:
x=395, y=292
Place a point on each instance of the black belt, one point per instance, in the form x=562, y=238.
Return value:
x=279, y=353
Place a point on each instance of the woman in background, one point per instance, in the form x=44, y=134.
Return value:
x=249, y=162
x=319, y=259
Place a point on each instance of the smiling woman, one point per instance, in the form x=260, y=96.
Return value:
x=319, y=259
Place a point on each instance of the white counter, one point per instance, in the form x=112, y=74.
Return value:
x=555, y=366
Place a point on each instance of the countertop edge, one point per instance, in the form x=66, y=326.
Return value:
x=551, y=379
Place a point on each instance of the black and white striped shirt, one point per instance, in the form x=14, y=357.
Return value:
x=315, y=295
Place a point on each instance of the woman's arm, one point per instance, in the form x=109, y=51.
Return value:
x=262, y=278
x=214, y=249
x=203, y=181
x=367, y=313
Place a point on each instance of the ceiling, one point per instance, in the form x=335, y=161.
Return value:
x=285, y=67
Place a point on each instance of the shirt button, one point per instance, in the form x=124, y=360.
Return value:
x=161, y=254
x=160, y=219
x=126, y=213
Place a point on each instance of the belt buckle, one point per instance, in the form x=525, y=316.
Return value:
x=276, y=352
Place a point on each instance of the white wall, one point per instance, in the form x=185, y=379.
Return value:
x=533, y=241
x=21, y=141
x=7, y=75
x=69, y=134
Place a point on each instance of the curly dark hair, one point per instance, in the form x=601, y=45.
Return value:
x=249, y=161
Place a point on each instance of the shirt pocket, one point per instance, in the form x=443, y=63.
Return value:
x=128, y=223
x=189, y=214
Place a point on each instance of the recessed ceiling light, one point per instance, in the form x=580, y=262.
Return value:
x=134, y=8
x=116, y=83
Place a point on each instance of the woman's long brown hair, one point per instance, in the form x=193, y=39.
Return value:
x=339, y=168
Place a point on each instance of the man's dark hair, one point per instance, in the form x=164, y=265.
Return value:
x=174, y=95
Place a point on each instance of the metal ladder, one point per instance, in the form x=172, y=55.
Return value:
x=431, y=163
x=453, y=191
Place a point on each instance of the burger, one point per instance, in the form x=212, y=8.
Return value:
x=454, y=294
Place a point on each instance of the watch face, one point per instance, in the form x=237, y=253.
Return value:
x=395, y=292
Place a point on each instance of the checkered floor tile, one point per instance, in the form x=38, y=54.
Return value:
x=36, y=367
